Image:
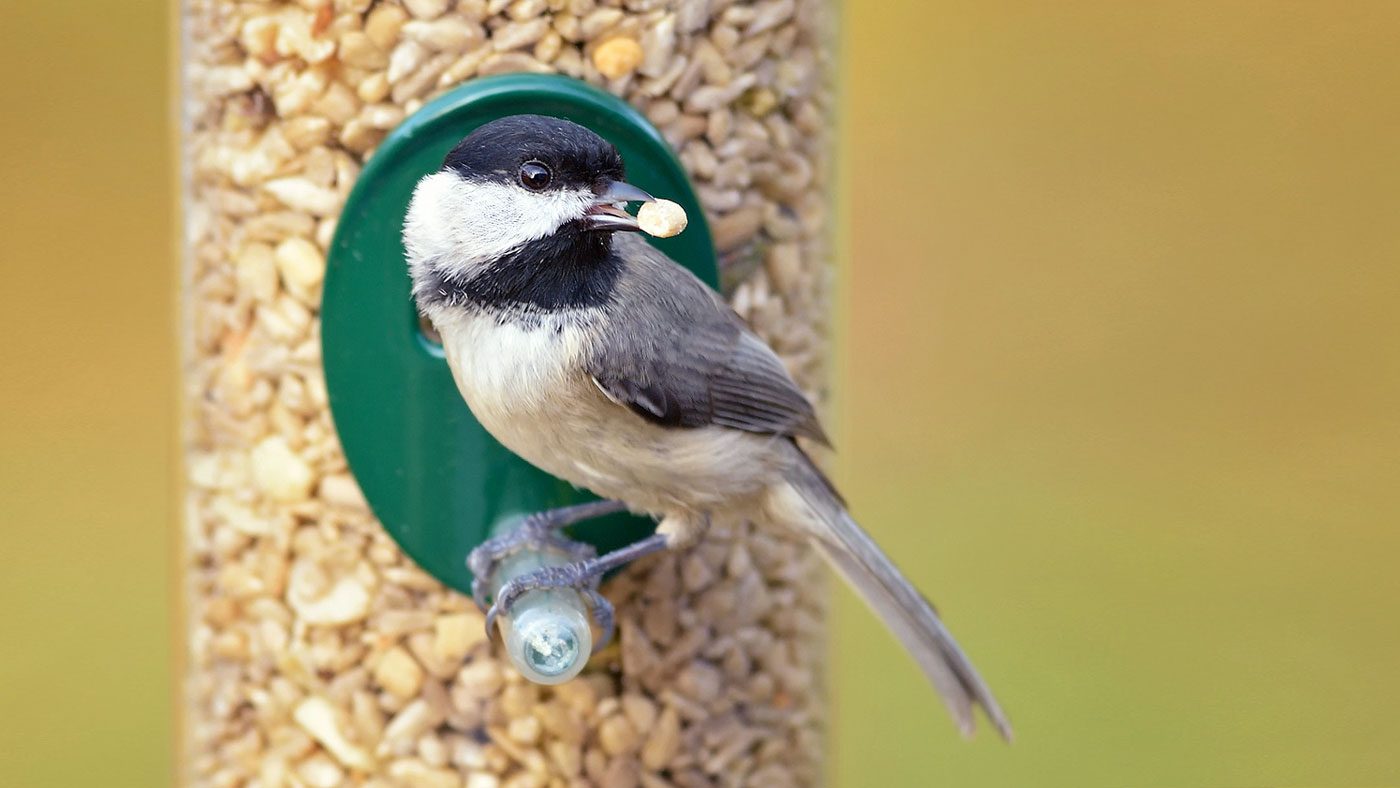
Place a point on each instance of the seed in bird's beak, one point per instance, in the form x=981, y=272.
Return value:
x=662, y=218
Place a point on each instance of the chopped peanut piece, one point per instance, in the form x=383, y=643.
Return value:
x=617, y=57
x=662, y=218
x=398, y=673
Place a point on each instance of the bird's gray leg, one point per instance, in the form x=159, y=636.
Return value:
x=538, y=530
x=582, y=576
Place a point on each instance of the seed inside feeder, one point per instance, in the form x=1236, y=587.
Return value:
x=661, y=218
x=254, y=269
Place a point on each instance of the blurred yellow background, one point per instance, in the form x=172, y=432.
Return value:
x=1118, y=384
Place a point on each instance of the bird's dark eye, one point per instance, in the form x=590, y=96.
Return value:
x=534, y=175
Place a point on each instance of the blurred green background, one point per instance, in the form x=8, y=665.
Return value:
x=1118, y=385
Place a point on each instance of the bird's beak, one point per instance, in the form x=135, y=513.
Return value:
x=605, y=213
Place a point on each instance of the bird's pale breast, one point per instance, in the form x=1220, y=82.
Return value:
x=525, y=382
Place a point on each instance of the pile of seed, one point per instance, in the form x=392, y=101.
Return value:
x=319, y=655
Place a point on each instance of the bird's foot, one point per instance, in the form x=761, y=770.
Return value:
x=539, y=531
x=582, y=576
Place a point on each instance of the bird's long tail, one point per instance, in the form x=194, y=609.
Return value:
x=810, y=503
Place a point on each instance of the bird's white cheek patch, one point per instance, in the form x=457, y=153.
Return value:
x=466, y=224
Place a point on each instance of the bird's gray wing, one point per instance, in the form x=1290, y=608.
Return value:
x=677, y=355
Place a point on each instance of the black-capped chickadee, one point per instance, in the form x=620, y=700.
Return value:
x=595, y=357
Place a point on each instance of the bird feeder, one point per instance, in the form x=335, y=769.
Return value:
x=335, y=479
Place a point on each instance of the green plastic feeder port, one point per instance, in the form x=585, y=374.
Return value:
x=432, y=475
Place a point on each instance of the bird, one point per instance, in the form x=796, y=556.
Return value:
x=588, y=352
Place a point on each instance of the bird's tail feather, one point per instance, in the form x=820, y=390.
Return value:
x=881, y=585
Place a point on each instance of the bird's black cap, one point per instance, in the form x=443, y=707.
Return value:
x=577, y=157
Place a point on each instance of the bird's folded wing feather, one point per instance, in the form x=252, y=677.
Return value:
x=690, y=360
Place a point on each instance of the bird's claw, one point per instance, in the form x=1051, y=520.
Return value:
x=583, y=573
x=533, y=534
x=581, y=576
